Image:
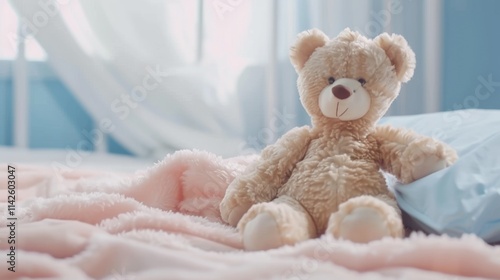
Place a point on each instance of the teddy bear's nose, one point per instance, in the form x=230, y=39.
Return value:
x=341, y=92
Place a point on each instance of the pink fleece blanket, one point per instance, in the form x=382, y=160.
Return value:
x=164, y=223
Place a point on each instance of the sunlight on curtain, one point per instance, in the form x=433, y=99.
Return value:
x=79, y=27
x=211, y=75
x=140, y=83
x=8, y=27
x=231, y=42
x=10, y=38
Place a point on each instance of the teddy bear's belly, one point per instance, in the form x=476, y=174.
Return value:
x=322, y=185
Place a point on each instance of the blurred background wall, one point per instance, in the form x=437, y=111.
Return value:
x=470, y=54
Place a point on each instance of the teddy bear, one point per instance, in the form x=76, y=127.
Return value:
x=327, y=178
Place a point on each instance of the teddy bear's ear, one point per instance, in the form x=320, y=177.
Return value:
x=399, y=53
x=307, y=42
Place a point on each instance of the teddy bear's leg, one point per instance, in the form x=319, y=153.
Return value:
x=273, y=224
x=366, y=218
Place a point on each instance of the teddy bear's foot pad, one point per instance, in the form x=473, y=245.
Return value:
x=363, y=225
x=262, y=233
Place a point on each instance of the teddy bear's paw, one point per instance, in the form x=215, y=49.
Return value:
x=421, y=158
x=427, y=166
x=362, y=225
x=262, y=233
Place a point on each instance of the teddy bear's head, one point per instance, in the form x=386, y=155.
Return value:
x=350, y=79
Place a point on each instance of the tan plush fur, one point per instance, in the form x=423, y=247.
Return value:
x=326, y=178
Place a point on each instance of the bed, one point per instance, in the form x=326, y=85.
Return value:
x=118, y=217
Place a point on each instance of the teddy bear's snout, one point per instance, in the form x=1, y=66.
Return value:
x=346, y=99
x=341, y=92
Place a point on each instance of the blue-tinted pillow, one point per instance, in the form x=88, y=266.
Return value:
x=465, y=197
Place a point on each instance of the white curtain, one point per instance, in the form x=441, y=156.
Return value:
x=211, y=75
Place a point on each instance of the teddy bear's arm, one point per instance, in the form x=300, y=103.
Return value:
x=261, y=180
x=410, y=156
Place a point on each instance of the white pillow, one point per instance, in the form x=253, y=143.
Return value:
x=465, y=197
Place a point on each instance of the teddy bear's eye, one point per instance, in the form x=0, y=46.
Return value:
x=331, y=80
x=362, y=81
